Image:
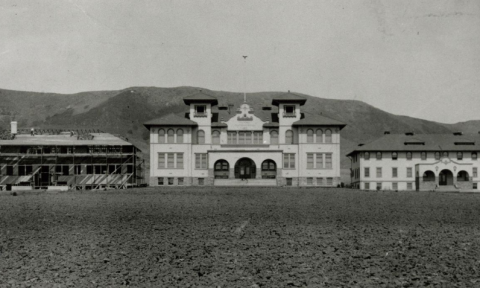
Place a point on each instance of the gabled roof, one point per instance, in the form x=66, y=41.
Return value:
x=317, y=120
x=65, y=140
x=200, y=97
x=170, y=120
x=422, y=142
x=288, y=98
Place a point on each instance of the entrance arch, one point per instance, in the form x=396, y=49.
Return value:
x=445, y=178
x=269, y=169
x=220, y=169
x=245, y=169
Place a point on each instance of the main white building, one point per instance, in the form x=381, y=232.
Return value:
x=214, y=144
x=417, y=162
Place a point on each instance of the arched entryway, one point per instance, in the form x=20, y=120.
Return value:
x=220, y=169
x=445, y=178
x=428, y=176
x=245, y=169
x=269, y=169
x=463, y=176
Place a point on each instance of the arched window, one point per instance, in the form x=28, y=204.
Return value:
x=394, y=155
x=459, y=155
x=474, y=155
x=200, y=137
x=319, y=136
x=328, y=136
x=161, y=136
x=379, y=155
x=428, y=176
x=215, y=137
x=221, y=169
x=367, y=156
x=445, y=154
x=269, y=169
x=309, y=136
x=170, y=136
x=463, y=176
x=437, y=155
x=273, y=137
x=409, y=155
x=289, y=137
x=424, y=155
x=179, y=136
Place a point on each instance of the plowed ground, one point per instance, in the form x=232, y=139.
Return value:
x=204, y=237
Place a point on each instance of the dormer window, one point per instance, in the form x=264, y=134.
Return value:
x=289, y=111
x=200, y=110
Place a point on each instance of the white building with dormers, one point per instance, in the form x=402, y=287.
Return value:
x=230, y=145
x=423, y=162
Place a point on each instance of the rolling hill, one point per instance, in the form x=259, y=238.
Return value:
x=124, y=111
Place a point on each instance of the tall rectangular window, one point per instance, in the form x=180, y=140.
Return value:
x=475, y=172
x=424, y=155
x=170, y=160
x=409, y=186
x=394, y=172
x=328, y=161
x=179, y=161
x=367, y=186
x=180, y=181
x=379, y=172
x=309, y=181
x=258, y=137
x=201, y=161
x=379, y=185
x=394, y=186
x=310, y=160
x=160, y=180
x=409, y=172
x=319, y=181
x=367, y=171
x=319, y=160
x=161, y=161
x=329, y=181
x=78, y=169
x=248, y=137
x=232, y=137
x=242, y=136
x=289, y=161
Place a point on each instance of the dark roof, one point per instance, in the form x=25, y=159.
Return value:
x=66, y=140
x=317, y=120
x=271, y=125
x=170, y=120
x=423, y=142
x=288, y=98
x=200, y=97
x=219, y=125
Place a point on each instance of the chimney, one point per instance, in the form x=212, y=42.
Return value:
x=386, y=133
x=13, y=127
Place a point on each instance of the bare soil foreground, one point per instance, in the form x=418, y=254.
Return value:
x=275, y=237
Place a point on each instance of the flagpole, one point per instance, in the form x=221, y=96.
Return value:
x=244, y=79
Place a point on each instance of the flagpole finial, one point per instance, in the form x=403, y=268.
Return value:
x=244, y=78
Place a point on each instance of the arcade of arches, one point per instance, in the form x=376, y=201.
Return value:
x=245, y=168
x=445, y=177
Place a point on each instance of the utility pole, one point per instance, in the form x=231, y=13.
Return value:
x=244, y=79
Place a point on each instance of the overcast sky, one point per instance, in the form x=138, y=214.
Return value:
x=415, y=58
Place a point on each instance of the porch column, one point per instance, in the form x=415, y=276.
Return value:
x=258, y=174
x=231, y=173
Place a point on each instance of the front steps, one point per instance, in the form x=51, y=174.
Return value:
x=248, y=182
x=446, y=188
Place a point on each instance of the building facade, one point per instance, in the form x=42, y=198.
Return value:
x=425, y=162
x=239, y=144
x=63, y=160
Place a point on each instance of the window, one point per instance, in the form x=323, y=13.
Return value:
x=170, y=181
x=424, y=155
x=367, y=171
x=437, y=155
x=289, y=161
x=329, y=181
x=475, y=173
x=180, y=181
x=179, y=161
x=310, y=157
x=161, y=160
x=242, y=137
x=328, y=136
x=366, y=155
x=215, y=137
x=367, y=186
x=201, y=161
x=319, y=181
x=319, y=160
x=394, y=186
x=273, y=137
x=89, y=169
x=63, y=169
x=170, y=160
x=409, y=155
x=167, y=160
x=445, y=154
x=309, y=136
x=170, y=136
x=379, y=155
x=474, y=155
x=200, y=137
x=180, y=136
x=315, y=160
x=459, y=155
x=201, y=181
x=309, y=181
x=394, y=172
x=289, y=137
x=289, y=110
x=24, y=170
x=248, y=137
x=394, y=155
x=379, y=186
x=409, y=172
x=475, y=186
x=160, y=181
x=289, y=181
x=328, y=161
x=379, y=172
x=409, y=186
x=161, y=136
x=257, y=137
x=78, y=169
x=129, y=169
x=319, y=136
x=200, y=110
x=463, y=176
x=232, y=137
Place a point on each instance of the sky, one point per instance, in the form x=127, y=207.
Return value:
x=408, y=57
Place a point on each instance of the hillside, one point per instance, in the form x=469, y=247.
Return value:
x=124, y=112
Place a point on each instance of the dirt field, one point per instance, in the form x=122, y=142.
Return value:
x=276, y=237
